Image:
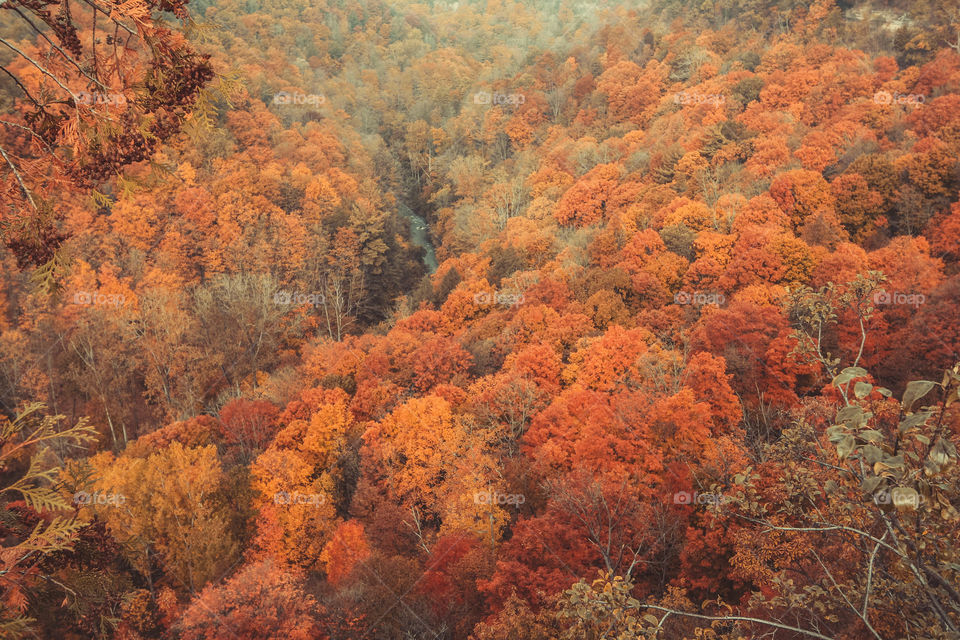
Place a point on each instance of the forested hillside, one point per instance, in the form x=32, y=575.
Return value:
x=481, y=320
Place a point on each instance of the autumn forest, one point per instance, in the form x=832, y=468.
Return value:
x=479, y=320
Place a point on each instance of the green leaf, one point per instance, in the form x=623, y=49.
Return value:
x=916, y=390
x=871, y=454
x=914, y=420
x=870, y=484
x=845, y=447
x=849, y=374
x=862, y=389
x=836, y=432
x=894, y=462
x=943, y=452
x=850, y=416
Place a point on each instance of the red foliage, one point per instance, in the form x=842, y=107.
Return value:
x=249, y=424
x=260, y=601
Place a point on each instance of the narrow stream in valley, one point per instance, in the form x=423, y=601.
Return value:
x=420, y=234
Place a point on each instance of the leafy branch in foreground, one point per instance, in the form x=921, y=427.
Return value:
x=849, y=531
x=31, y=448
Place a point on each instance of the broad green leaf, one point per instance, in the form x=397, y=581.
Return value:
x=871, y=454
x=916, y=390
x=943, y=452
x=914, y=420
x=870, y=484
x=845, y=447
x=848, y=374
x=850, y=416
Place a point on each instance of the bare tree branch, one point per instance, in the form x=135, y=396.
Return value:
x=16, y=174
x=97, y=7
x=39, y=67
x=59, y=50
x=769, y=623
x=20, y=84
x=32, y=133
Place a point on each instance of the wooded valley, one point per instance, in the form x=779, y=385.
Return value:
x=479, y=320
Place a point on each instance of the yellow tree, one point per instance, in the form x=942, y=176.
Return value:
x=168, y=511
x=435, y=464
x=297, y=482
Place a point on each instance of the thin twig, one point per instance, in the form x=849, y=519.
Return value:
x=97, y=7
x=823, y=529
x=31, y=132
x=770, y=623
x=16, y=174
x=863, y=615
x=22, y=88
x=869, y=586
x=38, y=66
x=61, y=51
